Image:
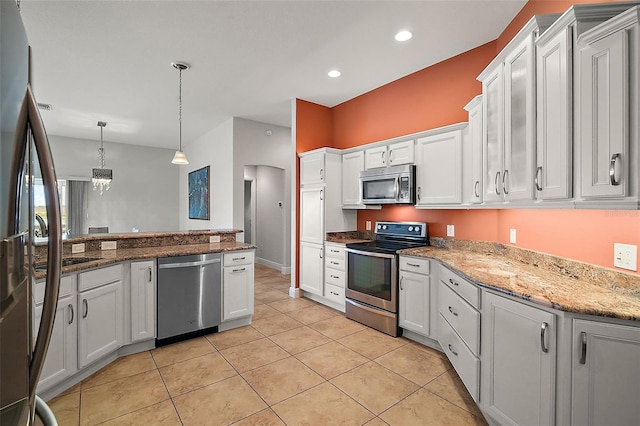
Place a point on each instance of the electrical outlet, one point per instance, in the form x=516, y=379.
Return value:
x=625, y=256
x=368, y=224
x=108, y=245
x=512, y=236
x=451, y=231
x=214, y=239
x=77, y=248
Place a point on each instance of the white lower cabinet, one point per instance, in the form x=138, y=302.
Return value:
x=143, y=300
x=415, y=296
x=61, y=360
x=101, y=313
x=518, y=362
x=606, y=374
x=311, y=267
x=335, y=267
x=237, y=285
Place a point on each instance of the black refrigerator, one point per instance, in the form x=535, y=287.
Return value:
x=24, y=157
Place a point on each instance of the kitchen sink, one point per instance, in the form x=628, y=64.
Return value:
x=68, y=262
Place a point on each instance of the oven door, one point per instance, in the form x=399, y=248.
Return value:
x=372, y=278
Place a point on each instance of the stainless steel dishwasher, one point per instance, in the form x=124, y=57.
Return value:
x=189, y=296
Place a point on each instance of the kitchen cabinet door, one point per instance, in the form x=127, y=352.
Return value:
x=61, y=359
x=143, y=300
x=554, y=136
x=519, y=122
x=414, y=304
x=604, y=115
x=352, y=165
x=493, y=136
x=312, y=168
x=375, y=157
x=237, y=291
x=401, y=153
x=311, y=267
x=439, y=169
x=100, y=322
x=606, y=374
x=518, y=362
x=472, y=154
x=312, y=215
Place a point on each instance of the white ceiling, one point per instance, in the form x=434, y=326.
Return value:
x=111, y=60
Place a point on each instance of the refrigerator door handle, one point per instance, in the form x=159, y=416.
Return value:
x=30, y=117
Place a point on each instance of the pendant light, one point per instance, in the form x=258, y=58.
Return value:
x=179, y=157
x=101, y=177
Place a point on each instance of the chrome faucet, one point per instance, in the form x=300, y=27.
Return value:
x=43, y=226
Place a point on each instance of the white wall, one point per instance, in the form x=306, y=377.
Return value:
x=252, y=146
x=144, y=190
x=214, y=149
x=270, y=217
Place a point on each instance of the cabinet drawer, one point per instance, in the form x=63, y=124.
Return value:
x=469, y=291
x=67, y=287
x=334, y=277
x=414, y=264
x=237, y=258
x=98, y=277
x=466, y=364
x=334, y=251
x=464, y=319
x=334, y=293
x=333, y=263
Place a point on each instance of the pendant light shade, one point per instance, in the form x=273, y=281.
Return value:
x=101, y=177
x=180, y=157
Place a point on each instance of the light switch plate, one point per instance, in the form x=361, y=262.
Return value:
x=214, y=239
x=512, y=236
x=451, y=231
x=77, y=248
x=108, y=245
x=368, y=224
x=625, y=256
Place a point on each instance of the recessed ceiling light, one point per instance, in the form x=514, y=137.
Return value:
x=334, y=73
x=404, y=35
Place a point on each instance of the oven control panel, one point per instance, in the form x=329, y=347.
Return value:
x=402, y=229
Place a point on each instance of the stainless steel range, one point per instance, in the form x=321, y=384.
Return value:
x=372, y=274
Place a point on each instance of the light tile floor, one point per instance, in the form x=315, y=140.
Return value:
x=298, y=363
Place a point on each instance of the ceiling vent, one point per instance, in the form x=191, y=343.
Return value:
x=45, y=107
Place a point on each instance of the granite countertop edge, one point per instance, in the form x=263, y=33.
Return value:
x=110, y=257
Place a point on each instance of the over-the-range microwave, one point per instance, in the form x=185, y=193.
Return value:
x=389, y=185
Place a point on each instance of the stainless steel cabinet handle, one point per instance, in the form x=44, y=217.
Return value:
x=401, y=280
x=320, y=253
x=149, y=272
x=452, y=351
x=85, y=304
x=335, y=251
x=335, y=276
x=475, y=189
x=235, y=259
x=537, y=179
x=612, y=169
x=543, y=337
x=321, y=173
x=419, y=193
x=504, y=182
x=583, y=348
x=415, y=265
x=453, y=282
x=239, y=270
x=72, y=313
x=495, y=183
x=383, y=157
x=334, y=263
x=454, y=313
x=334, y=293
x=321, y=194
x=390, y=156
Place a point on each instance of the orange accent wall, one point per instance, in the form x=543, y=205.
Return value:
x=435, y=97
x=427, y=99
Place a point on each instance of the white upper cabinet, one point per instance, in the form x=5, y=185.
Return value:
x=394, y=154
x=439, y=168
x=608, y=109
x=557, y=61
x=352, y=165
x=508, y=85
x=472, y=154
x=312, y=214
x=312, y=169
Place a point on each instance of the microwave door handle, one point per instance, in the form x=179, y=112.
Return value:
x=397, y=188
x=31, y=114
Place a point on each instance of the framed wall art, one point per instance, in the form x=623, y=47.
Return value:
x=199, y=194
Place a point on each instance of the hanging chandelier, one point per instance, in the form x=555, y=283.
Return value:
x=101, y=177
x=180, y=157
